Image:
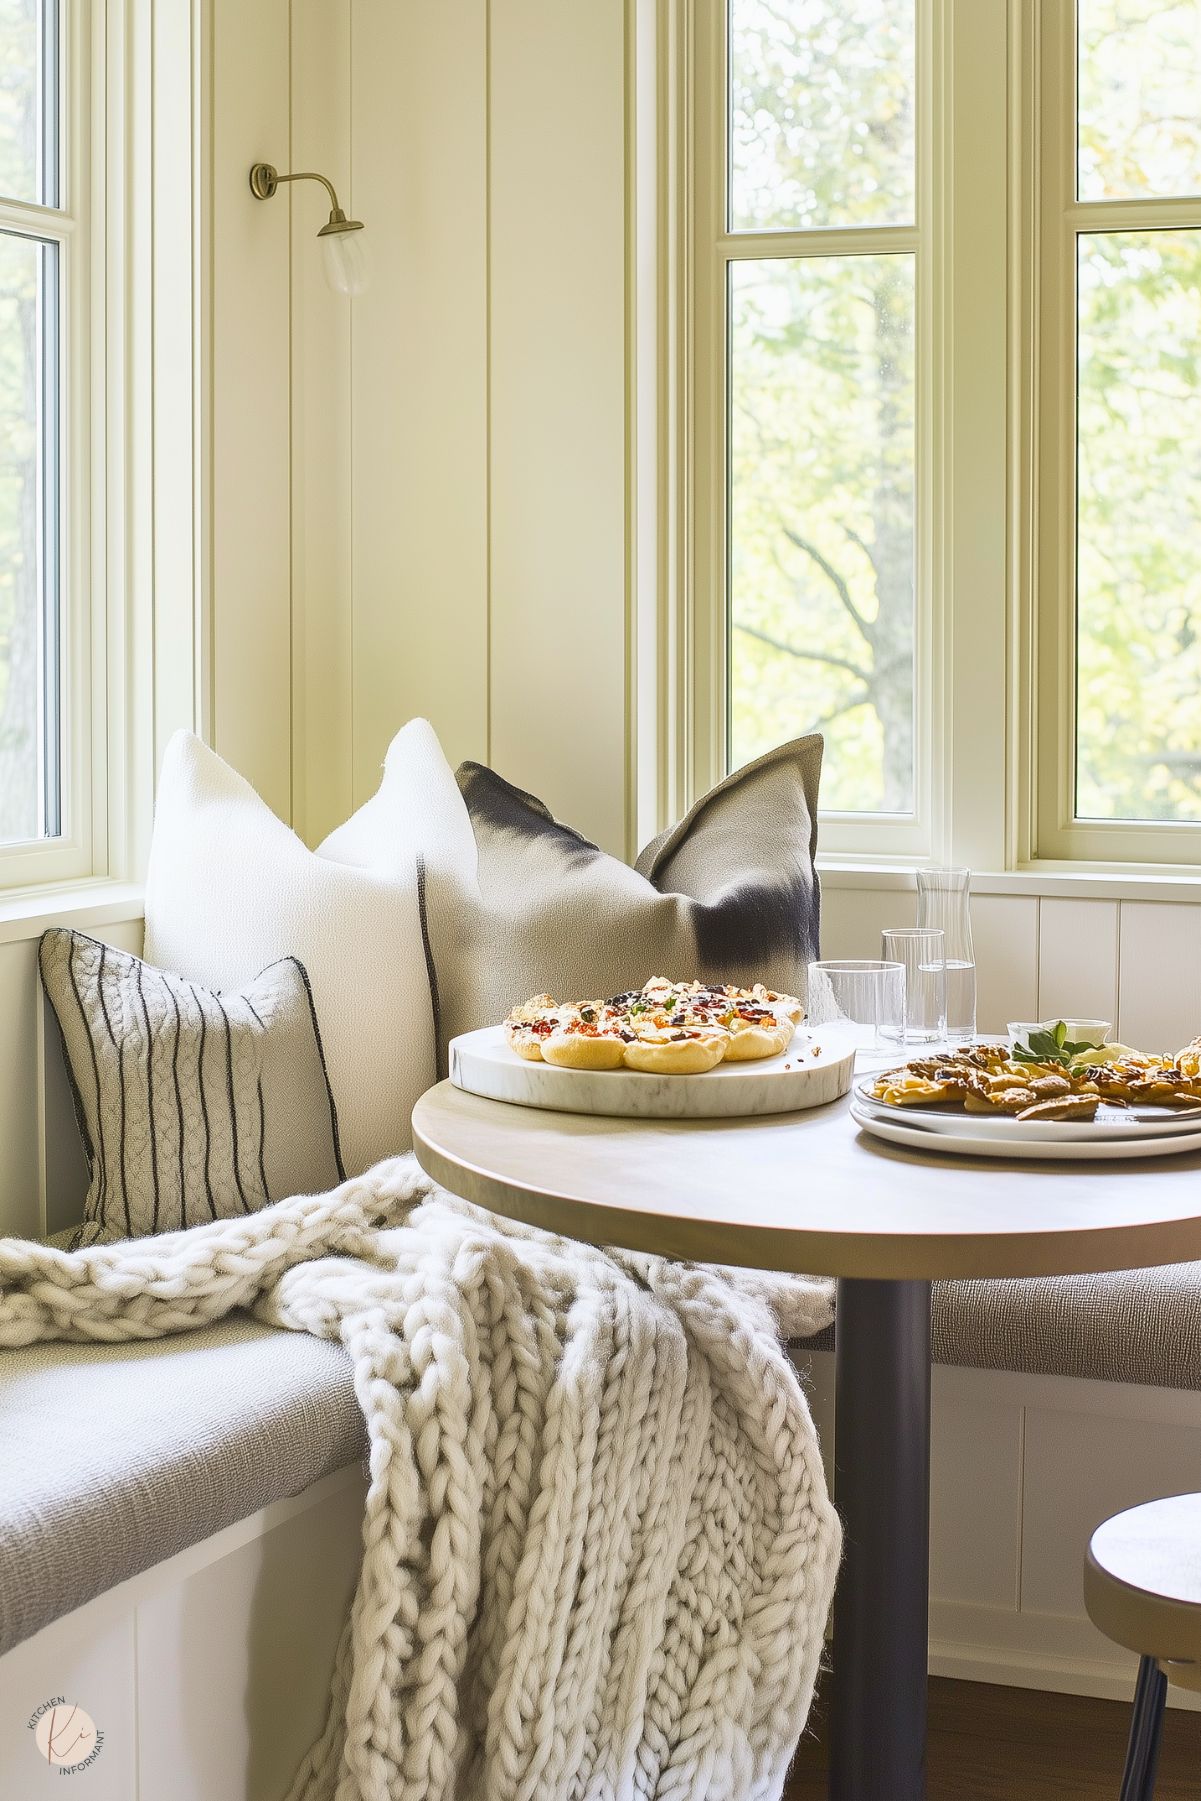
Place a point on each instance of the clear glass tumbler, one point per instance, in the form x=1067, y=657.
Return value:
x=943, y=904
x=856, y=1003
x=921, y=951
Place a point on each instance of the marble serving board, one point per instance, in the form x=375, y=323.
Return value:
x=805, y=1075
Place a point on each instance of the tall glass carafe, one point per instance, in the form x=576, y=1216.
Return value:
x=943, y=902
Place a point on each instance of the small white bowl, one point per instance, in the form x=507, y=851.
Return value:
x=1079, y=1031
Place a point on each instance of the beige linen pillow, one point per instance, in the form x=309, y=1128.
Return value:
x=192, y=1105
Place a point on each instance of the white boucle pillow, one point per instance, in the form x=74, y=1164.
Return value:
x=230, y=889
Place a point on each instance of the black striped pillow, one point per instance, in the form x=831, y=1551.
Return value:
x=192, y=1105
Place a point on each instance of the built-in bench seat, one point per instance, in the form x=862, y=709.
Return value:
x=1141, y=1326
x=115, y=1457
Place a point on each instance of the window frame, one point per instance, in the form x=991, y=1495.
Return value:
x=998, y=351
x=137, y=558
x=1056, y=834
x=77, y=850
x=852, y=838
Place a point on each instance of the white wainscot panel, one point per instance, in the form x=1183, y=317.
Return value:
x=1078, y=959
x=1083, y=1466
x=234, y=1664
x=853, y=918
x=975, y=1493
x=1160, y=1005
x=1005, y=937
x=95, y=1673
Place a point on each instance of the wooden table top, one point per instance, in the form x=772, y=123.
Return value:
x=806, y=1192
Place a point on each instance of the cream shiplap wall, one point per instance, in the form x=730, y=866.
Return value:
x=1136, y=963
x=419, y=497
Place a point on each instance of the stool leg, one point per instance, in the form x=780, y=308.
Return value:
x=1146, y=1727
x=1156, y=1704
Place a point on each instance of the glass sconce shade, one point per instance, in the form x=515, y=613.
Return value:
x=346, y=259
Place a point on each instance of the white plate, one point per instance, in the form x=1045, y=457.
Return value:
x=1020, y=1150
x=482, y=1063
x=1110, y=1122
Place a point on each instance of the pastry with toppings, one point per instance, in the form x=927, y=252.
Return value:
x=663, y=1028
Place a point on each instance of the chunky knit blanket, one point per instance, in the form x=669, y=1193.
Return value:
x=598, y=1552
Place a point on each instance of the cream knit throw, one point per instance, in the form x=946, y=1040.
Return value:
x=598, y=1551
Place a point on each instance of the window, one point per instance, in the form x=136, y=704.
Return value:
x=1120, y=572
x=813, y=288
x=34, y=227
x=945, y=335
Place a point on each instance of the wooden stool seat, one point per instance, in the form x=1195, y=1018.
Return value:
x=1142, y=1589
x=1142, y=1584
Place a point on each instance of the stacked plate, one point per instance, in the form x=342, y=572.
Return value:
x=1137, y=1131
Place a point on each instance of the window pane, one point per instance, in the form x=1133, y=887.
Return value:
x=821, y=113
x=822, y=519
x=1139, y=526
x=1140, y=97
x=28, y=539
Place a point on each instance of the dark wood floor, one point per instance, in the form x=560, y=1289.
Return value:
x=1016, y=1744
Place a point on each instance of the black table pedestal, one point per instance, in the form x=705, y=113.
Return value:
x=882, y=1491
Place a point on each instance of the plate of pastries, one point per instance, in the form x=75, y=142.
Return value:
x=1044, y=1095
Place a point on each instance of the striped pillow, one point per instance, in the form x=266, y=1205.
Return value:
x=192, y=1105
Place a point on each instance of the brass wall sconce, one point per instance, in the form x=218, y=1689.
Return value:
x=343, y=252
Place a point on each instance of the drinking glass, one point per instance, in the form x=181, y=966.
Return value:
x=943, y=903
x=856, y=1003
x=921, y=951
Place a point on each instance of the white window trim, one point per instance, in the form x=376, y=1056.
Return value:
x=134, y=571
x=1053, y=831
x=981, y=512
x=70, y=226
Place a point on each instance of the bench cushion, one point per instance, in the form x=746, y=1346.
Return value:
x=117, y=1456
x=1140, y=1325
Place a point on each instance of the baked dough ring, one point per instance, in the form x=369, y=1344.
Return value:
x=525, y=1042
x=582, y=1050
x=752, y=1039
x=677, y=1056
x=787, y=1004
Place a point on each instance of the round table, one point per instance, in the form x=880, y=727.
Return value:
x=807, y=1192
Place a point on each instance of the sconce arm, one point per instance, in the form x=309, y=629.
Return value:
x=264, y=180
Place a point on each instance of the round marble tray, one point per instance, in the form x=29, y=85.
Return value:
x=805, y=1076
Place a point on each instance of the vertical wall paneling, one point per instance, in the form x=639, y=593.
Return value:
x=976, y=1449
x=249, y=428
x=1005, y=938
x=244, y=1632
x=20, y=1210
x=419, y=436
x=853, y=918
x=1160, y=993
x=322, y=327
x=976, y=559
x=98, y=1670
x=175, y=252
x=558, y=407
x=1077, y=1476
x=1078, y=959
